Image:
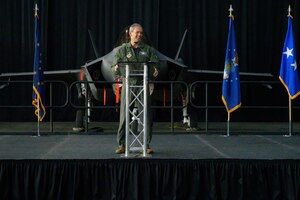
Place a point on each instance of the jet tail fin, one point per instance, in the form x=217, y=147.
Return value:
x=93, y=43
x=180, y=46
x=4, y=85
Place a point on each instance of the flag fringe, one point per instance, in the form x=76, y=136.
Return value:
x=37, y=103
x=232, y=109
x=287, y=89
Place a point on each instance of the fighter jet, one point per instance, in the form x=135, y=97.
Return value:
x=171, y=69
x=100, y=70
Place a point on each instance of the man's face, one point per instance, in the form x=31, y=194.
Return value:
x=136, y=35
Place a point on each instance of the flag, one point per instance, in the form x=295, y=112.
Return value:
x=231, y=96
x=38, y=95
x=288, y=69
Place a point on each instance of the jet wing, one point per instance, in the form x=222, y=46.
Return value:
x=63, y=75
x=163, y=57
x=222, y=72
x=103, y=65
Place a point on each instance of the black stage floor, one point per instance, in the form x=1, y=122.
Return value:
x=247, y=141
x=166, y=146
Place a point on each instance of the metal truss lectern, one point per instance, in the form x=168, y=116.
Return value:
x=136, y=108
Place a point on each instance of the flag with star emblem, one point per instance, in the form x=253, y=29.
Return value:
x=38, y=95
x=231, y=96
x=288, y=70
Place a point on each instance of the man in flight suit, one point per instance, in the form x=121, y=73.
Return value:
x=134, y=51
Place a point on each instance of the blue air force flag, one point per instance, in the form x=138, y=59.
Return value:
x=231, y=96
x=288, y=69
x=38, y=95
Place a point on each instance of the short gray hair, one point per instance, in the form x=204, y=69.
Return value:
x=133, y=26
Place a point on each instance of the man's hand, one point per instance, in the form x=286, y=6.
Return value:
x=116, y=68
x=155, y=73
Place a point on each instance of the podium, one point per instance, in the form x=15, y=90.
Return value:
x=135, y=82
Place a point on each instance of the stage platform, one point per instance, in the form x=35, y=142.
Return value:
x=166, y=146
x=246, y=141
x=255, y=162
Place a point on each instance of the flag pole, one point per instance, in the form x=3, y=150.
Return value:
x=228, y=113
x=38, y=102
x=290, y=118
x=290, y=100
x=38, y=118
x=228, y=124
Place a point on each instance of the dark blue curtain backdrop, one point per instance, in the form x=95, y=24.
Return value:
x=260, y=31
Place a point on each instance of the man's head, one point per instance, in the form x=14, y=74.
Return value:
x=135, y=33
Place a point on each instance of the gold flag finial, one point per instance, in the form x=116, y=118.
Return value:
x=36, y=10
x=289, y=12
x=230, y=11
